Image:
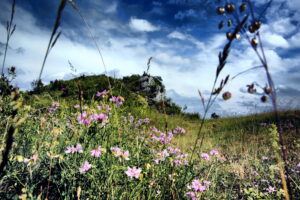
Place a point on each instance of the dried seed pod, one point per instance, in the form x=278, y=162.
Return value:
x=251, y=29
x=256, y=24
x=221, y=24
x=237, y=36
x=226, y=95
x=264, y=99
x=254, y=42
x=220, y=10
x=229, y=22
x=243, y=7
x=229, y=8
x=229, y=35
x=12, y=69
x=251, y=89
x=217, y=91
x=267, y=90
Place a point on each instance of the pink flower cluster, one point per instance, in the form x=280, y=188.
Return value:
x=161, y=156
x=129, y=119
x=104, y=108
x=73, y=149
x=102, y=94
x=32, y=158
x=163, y=137
x=118, y=100
x=206, y=156
x=174, y=150
x=181, y=159
x=133, y=172
x=197, y=188
x=86, y=120
x=271, y=189
x=142, y=121
x=178, y=130
x=96, y=152
x=118, y=153
x=54, y=106
x=85, y=167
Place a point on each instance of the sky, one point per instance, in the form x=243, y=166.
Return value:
x=182, y=36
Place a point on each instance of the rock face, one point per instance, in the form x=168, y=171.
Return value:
x=153, y=87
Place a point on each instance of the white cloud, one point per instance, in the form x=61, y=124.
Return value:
x=142, y=25
x=178, y=35
x=283, y=26
x=273, y=39
x=295, y=40
x=181, y=36
x=184, y=74
x=112, y=8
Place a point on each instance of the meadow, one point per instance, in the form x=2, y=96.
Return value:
x=94, y=138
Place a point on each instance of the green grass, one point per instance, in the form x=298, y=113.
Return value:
x=54, y=174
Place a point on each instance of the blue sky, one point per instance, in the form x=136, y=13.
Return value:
x=181, y=36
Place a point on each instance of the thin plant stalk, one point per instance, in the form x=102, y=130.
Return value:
x=54, y=36
x=10, y=29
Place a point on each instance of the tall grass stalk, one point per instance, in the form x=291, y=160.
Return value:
x=54, y=35
x=10, y=29
x=93, y=38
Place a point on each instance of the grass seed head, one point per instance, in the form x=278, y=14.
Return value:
x=256, y=24
x=264, y=99
x=221, y=24
x=229, y=35
x=229, y=22
x=220, y=10
x=243, y=7
x=254, y=42
x=226, y=95
x=267, y=90
x=251, y=29
x=229, y=8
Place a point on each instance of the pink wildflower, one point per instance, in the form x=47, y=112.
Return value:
x=125, y=155
x=34, y=157
x=174, y=150
x=205, y=156
x=96, y=152
x=265, y=158
x=298, y=165
x=86, y=166
x=70, y=149
x=79, y=148
x=221, y=159
x=271, y=189
x=191, y=194
x=103, y=93
x=214, y=152
x=118, y=153
x=133, y=172
x=196, y=186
